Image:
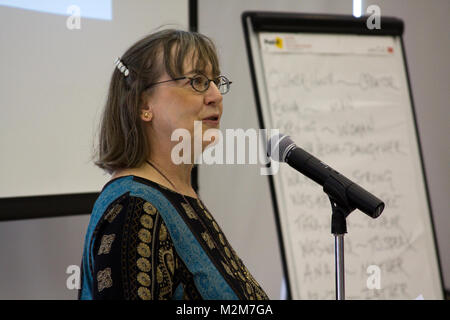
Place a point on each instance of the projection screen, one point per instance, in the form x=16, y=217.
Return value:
x=56, y=60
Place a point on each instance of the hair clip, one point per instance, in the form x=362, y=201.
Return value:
x=122, y=68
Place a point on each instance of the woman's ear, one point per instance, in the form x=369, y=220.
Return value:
x=146, y=109
x=146, y=114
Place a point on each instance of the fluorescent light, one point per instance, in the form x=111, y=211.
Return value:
x=357, y=8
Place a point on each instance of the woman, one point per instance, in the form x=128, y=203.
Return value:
x=150, y=236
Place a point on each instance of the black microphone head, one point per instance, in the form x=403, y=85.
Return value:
x=278, y=146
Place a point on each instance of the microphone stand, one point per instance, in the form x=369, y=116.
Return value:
x=335, y=189
x=345, y=196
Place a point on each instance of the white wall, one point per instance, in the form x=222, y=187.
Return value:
x=35, y=255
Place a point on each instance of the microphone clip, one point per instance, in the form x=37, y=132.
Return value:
x=335, y=187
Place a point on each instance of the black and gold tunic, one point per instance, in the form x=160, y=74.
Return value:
x=145, y=242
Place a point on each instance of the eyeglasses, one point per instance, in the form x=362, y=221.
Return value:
x=200, y=83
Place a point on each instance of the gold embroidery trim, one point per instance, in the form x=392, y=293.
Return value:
x=159, y=275
x=207, y=214
x=143, y=250
x=189, y=211
x=164, y=272
x=149, y=208
x=144, y=293
x=144, y=235
x=208, y=240
x=200, y=203
x=144, y=279
x=222, y=239
x=104, y=279
x=228, y=253
x=146, y=221
x=106, y=243
x=167, y=257
x=227, y=269
x=113, y=212
x=163, y=233
x=144, y=265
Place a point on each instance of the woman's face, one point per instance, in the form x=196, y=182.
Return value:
x=176, y=105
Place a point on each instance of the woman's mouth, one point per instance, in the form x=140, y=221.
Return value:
x=212, y=120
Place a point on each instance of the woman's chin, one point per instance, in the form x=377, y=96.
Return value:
x=210, y=124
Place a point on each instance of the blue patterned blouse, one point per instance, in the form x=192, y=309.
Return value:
x=145, y=242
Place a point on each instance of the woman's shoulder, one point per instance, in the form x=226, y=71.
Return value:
x=134, y=184
x=120, y=190
x=132, y=196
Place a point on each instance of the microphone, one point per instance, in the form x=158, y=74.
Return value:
x=281, y=148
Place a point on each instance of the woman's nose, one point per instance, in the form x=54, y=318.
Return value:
x=213, y=95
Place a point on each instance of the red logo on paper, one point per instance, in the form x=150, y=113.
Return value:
x=390, y=49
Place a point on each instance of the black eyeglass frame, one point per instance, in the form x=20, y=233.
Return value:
x=227, y=82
